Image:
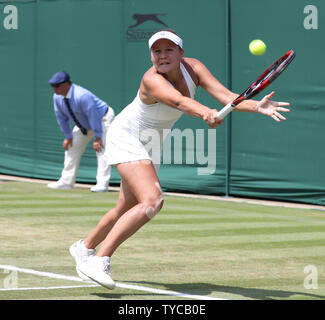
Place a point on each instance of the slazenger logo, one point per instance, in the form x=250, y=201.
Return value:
x=136, y=32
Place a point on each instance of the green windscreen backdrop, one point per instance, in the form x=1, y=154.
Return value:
x=103, y=45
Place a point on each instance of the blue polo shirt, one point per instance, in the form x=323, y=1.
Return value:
x=88, y=109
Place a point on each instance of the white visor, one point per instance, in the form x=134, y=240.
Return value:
x=165, y=35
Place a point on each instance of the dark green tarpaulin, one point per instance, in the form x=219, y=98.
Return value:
x=102, y=44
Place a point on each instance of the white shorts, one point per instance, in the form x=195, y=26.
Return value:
x=122, y=146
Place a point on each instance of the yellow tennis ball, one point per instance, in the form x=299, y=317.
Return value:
x=257, y=47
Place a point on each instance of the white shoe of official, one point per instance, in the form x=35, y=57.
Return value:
x=81, y=254
x=98, y=269
x=98, y=188
x=59, y=185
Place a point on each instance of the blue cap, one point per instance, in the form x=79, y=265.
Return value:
x=59, y=77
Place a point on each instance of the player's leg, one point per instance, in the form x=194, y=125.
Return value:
x=125, y=201
x=82, y=249
x=140, y=180
x=141, y=183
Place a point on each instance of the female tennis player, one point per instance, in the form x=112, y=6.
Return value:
x=166, y=92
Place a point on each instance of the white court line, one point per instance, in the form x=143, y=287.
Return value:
x=49, y=288
x=91, y=284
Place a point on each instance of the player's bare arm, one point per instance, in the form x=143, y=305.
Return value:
x=223, y=95
x=154, y=87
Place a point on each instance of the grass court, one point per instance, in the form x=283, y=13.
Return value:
x=193, y=249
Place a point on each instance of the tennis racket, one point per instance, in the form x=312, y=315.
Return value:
x=265, y=79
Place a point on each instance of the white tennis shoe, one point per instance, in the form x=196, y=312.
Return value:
x=59, y=185
x=81, y=254
x=98, y=188
x=98, y=269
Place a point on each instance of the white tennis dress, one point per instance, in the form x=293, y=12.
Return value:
x=138, y=131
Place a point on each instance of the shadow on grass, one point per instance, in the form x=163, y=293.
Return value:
x=216, y=291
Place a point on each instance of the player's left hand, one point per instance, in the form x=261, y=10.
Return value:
x=272, y=108
x=211, y=118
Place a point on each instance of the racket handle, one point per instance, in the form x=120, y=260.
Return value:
x=225, y=110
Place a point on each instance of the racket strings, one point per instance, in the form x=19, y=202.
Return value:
x=267, y=77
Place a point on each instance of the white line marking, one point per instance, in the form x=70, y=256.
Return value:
x=41, y=273
x=48, y=288
x=166, y=292
x=120, y=285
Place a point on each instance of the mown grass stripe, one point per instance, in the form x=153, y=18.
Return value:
x=204, y=247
